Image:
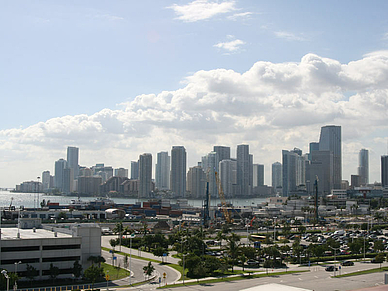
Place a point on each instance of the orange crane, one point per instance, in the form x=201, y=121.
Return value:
x=223, y=201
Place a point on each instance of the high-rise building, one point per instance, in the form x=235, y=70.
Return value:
x=321, y=167
x=46, y=180
x=145, y=175
x=121, y=172
x=330, y=140
x=135, y=170
x=72, y=161
x=363, y=166
x=223, y=152
x=293, y=170
x=60, y=167
x=178, y=171
x=162, y=171
x=243, y=170
x=68, y=181
x=196, y=182
x=258, y=175
x=276, y=175
x=210, y=164
x=384, y=171
x=314, y=146
x=228, y=170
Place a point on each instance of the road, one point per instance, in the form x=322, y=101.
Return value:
x=171, y=275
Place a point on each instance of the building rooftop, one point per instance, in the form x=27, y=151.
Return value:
x=11, y=233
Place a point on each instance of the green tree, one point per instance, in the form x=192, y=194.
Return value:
x=148, y=269
x=77, y=269
x=159, y=252
x=301, y=229
x=113, y=243
x=118, y=229
x=31, y=272
x=297, y=249
x=380, y=258
x=96, y=260
x=243, y=260
x=233, y=247
x=94, y=273
x=61, y=215
x=378, y=245
x=54, y=272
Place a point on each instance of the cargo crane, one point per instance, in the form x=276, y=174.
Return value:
x=223, y=201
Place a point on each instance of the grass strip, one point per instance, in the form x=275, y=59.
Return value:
x=226, y=279
x=115, y=273
x=133, y=256
x=370, y=271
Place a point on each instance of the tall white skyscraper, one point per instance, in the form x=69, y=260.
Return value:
x=196, y=182
x=162, y=171
x=330, y=140
x=363, y=166
x=145, y=175
x=258, y=175
x=72, y=161
x=244, y=173
x=60, y=167
x=276, y=175
x=210, y=167
x=135, y=170
x=178, y=171
x=223, y=152
x=228, y=176
x=46, y=180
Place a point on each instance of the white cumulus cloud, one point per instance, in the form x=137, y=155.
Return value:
x=202, y=9
x=230, y=46
x=271, y=106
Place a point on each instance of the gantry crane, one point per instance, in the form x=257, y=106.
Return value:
x=223, y=201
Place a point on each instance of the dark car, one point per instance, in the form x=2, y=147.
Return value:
x=347, y=263
x=252, y=263
x=330, y=269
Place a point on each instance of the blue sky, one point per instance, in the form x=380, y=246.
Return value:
x=63, y=59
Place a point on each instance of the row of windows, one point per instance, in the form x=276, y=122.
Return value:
x=44, y=260
x=37, y=248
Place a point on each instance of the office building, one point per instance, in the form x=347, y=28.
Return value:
x=210, y=164
x=89, y=185
x=228, y=176
x=363, y=166
x=384, y=171
x=330, y=140
x=196, y=182
x=40, y=246
x=145, y=175
x=178, y=171
x=121, y=172
x=258, y=175
x=314, y=146
x=223, y=152
x=276, y=175
x=135, y=170
x=355, y=181
x=162, y=171
x=46, y=178
x=72, y=161
x=244, y=173
x=60, y=167
x=321, y=167
x=68, y=181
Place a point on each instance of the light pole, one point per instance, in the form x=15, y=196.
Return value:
x=130, y=256
x=5, y=273
x=274, y=229
x=15, y=286
x=107, y=279
x=335, y=257
x=37, y=203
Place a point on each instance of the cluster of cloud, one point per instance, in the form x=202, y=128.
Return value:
x=202, y=9
x=272, y=106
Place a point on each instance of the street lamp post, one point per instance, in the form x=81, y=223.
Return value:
x=5, y=273
x=107, y=279
x=130, y=256
x=274, y=229
x=15, y=286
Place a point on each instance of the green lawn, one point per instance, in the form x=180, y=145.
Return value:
x=114, y=272
x=376, y=270
x=226, y=279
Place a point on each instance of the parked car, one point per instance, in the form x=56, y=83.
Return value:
x=347, y=263
x=330, y=269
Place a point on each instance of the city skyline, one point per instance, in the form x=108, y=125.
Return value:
x=120, y=79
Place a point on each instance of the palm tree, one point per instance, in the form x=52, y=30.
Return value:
x=233, y=246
